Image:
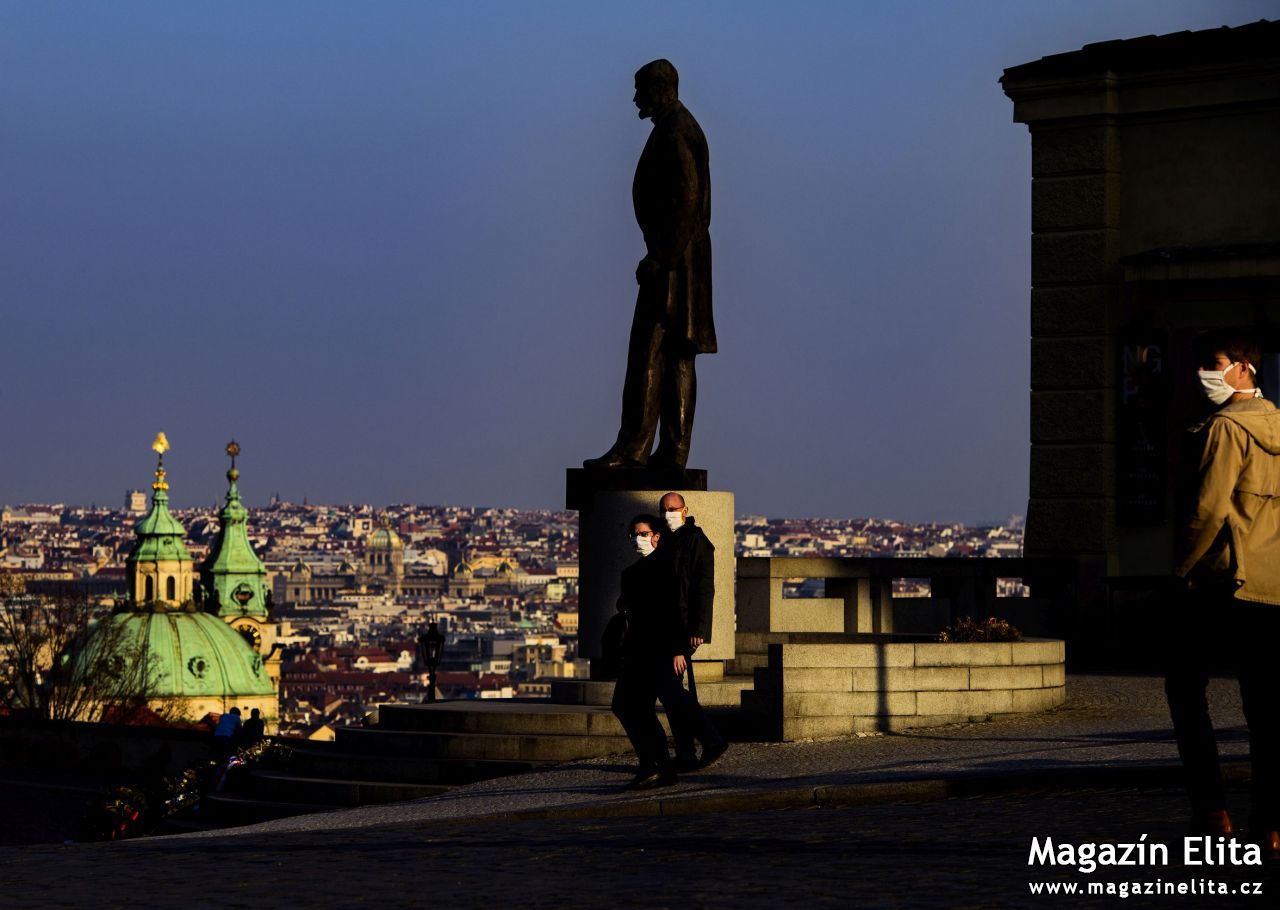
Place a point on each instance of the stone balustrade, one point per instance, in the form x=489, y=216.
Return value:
x=859, y=594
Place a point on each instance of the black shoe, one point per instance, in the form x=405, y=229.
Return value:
x=713, y=753
x=612, y=459
x=690, y=763
x=643, y=778
x=651, y=779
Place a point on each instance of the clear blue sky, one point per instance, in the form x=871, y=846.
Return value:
x=389, y=246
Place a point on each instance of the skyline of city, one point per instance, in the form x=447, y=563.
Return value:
x=1012, y=520
x=391, y=249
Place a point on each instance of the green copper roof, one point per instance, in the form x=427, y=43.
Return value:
x=187, y=653
x=234, y=574
x=159, y=534
x=385, y=538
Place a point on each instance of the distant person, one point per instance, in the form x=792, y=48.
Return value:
x=254, y=729
x=692, y=558
x=652, y=656
x=1229, y=565
x=225, y=734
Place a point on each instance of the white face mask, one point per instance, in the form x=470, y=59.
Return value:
x=644, y=545
x=674, y=520
x=1216, y=388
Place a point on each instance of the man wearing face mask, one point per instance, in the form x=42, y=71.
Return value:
x=1228, y=562
x=653, y=646
x=692, y=558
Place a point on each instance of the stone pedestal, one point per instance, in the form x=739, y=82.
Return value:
x=606, y=502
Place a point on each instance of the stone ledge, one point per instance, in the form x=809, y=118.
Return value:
x=914, y=679
x=1030, y=700
x=1039, y=652
x=994, y=701
x=964, y=654
x=1021, y=677
x=848, y=655
x=823, y=704
x=819, y=690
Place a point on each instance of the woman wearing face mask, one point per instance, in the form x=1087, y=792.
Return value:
x=1229, y=563
x=654, y=640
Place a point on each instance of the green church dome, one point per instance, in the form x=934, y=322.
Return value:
x=188, y=654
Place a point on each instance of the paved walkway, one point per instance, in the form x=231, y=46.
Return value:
x=939, y=818
x=1110, y=725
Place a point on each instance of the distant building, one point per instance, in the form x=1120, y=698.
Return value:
x=383, y=571
x=135, y=502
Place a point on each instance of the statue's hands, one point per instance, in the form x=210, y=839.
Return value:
x=649, y=270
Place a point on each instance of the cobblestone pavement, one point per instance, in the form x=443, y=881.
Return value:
x=1108, y=722
x=954, y=853
x=478, y=845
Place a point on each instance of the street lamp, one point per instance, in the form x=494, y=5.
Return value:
x=430, y=648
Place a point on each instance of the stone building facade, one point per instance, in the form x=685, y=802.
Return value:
x=1155, y=216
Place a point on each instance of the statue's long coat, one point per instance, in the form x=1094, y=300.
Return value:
x=672, y=198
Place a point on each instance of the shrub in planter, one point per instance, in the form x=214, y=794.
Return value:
x=967, y=629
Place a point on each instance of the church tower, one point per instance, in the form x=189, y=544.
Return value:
x=234, y=578
x=159, y=647
x=160, y=567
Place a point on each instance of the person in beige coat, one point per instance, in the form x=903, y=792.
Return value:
x=1228, y=562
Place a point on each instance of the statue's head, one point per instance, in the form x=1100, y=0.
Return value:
x=657, y=85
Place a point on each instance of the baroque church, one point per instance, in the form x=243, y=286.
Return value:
x=205, y=636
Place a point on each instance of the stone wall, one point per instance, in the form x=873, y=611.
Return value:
x=817, y=687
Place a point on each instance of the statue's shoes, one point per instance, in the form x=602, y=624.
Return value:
x=612, y=459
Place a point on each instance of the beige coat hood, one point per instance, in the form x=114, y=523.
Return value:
x=1234, y=534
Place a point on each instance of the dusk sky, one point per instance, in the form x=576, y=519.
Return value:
x=389, y=247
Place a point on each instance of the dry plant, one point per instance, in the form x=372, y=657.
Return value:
x=62, y=658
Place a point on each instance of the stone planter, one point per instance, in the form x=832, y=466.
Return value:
x=826, y=686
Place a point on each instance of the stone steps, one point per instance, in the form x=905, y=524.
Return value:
x=745, y=663
x=328, y=763
x=184, y=823
x=517, y=719
x=433, y=746
x=270, y=785
x=725, y=693
x=229, y=809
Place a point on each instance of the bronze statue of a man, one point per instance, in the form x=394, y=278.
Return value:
x=671, y=194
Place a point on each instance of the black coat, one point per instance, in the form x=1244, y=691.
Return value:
x=692, y=558
x=671, y=194
x=654, y=626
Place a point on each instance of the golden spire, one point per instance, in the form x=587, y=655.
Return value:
x=160, y=446
x=233, y=449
